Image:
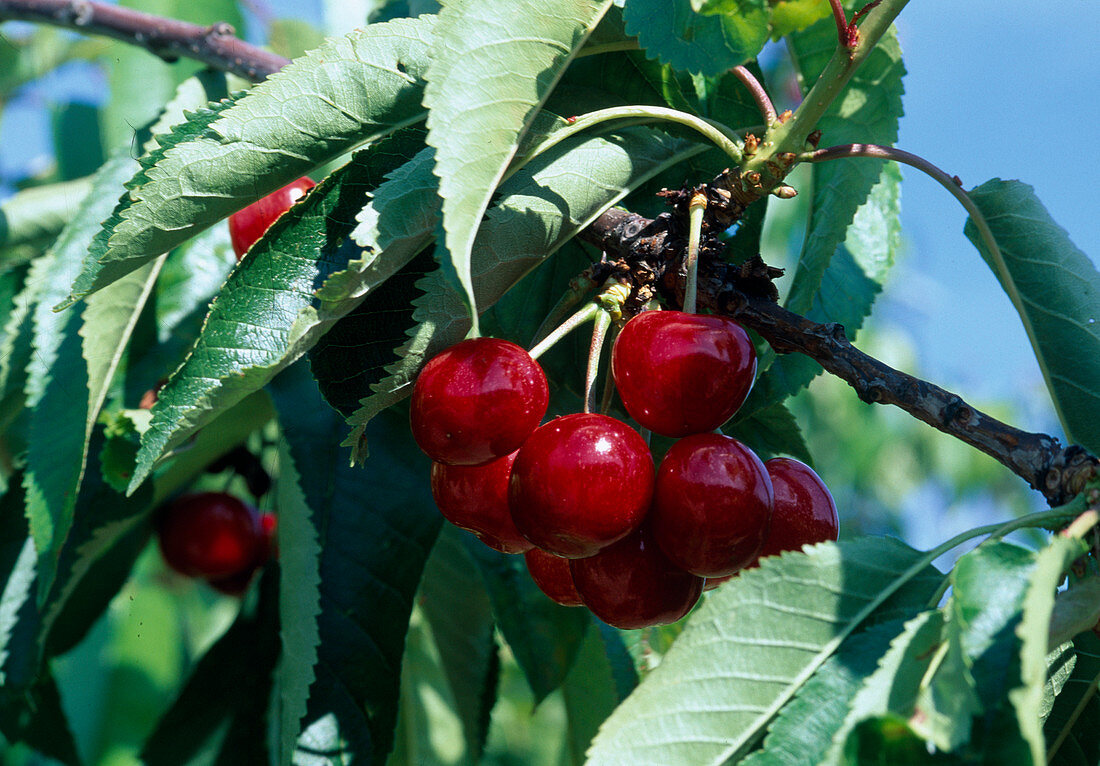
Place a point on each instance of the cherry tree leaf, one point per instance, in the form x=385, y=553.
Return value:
x=749, y=649
x=1056, y=290
x=349, y=92
x=490, y=73
x=677, y=34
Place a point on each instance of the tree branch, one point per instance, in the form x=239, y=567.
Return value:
x=215, y=45
x=653, y=249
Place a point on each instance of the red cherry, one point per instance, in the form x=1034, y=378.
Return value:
x=236, y=584
x=804, y=508
x=475, y=498
x=477, y=401
x=681, y=374
x=210, y=534
x=631, y=584
x=249, y=224
x=579, y=483
x=712, y=505
x=551, y=573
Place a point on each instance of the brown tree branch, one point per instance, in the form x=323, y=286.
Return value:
x=215, y=45
x=653, y=249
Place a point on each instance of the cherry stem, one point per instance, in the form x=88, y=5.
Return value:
x=696, y=208
x=609, y=381
x=215, y=45
x=595, y=351
x=586, y=313
x=841, y=21
x=579, y=288
x=759, y=95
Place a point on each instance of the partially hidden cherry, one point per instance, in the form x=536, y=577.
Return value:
x=236, y=584
x=804, y=508
x=579, y=483
x=249, y=224
x=680, y=374
x=712, y=505
x=632, y=584
x=210, y=534
x=477, y=401
x=551, y=573
x=475, y=498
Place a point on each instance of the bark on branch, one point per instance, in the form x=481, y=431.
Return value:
x=216, y=46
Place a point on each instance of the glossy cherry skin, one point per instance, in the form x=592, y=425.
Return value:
x=475, y=498
x=210, y=534
x=551, y=573
x=632, y=584
x=712, y=505
x=236, y=584
x=581, y=482
x=804, y=508
x=477, y=401
x=249, y=224
x=681, y=374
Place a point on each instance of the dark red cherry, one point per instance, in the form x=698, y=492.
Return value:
x=477, y=401
x=581, y=482
x=551, y=573
x=210, y=534
x=712, y=505
x=681, y=374
x=249, y=224
x=632, y=584
x=475, y=498
x=236, y=584
x=804, y=508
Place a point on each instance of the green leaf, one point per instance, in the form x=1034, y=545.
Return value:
x=299, y=605
x=457, y=608
x=489, y=74
x=375, y=526
x=590, y=693
x=57, y=387
x=541, y=207
x=1056, y=291
x=676, y=34
x=789, y=16
x=1051, y=565
x=37, y=215
x=771, y=432
x=805, y=727
x=1073, y=727
x=219, y=716
x=754, y=644
x=277, y=303
x=895, y=684
x=543, y=635
x=20, y=621
x=349, y=92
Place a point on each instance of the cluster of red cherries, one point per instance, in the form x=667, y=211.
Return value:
x=579, y=496
x=216, y=537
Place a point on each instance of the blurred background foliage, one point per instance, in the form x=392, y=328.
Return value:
x=68, y=101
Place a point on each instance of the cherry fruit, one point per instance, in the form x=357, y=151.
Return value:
x=804, y=508
x=249, y=224
x=477, y=401
x=712, y=505
x=553, y=576
x=632, y=584
x=680, y=374
x=237, y=584
x=579, y=483
x=475, y=498
x=211, y=535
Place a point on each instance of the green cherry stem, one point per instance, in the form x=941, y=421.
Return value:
x=696, y=208
x=595, y=351
x=609, y=381
x=759, y=95
x=586, y=313
x=580, y=287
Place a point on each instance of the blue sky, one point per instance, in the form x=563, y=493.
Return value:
x=995, y=88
